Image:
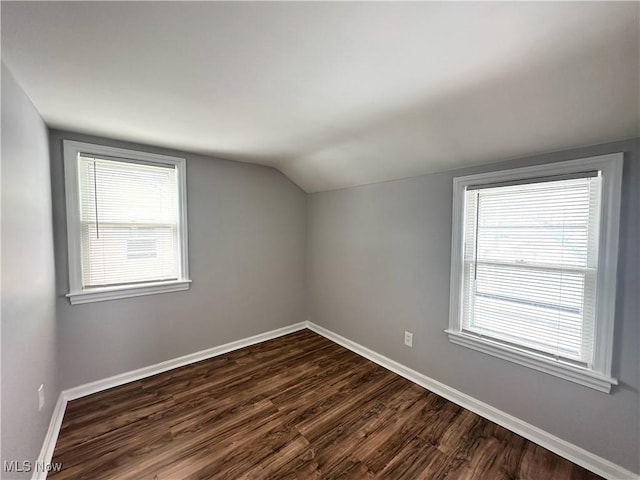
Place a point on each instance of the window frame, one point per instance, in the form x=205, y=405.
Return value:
x=599, y=376
x=77, y=293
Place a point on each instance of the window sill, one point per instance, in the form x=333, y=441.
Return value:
x=572, y=373
x=114, y=293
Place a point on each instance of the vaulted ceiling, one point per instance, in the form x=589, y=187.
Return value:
x=334, y=94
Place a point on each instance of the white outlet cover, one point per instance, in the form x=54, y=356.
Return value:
x=41, y=397
x=408, y=339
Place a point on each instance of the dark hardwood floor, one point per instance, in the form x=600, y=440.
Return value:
x=299, y=406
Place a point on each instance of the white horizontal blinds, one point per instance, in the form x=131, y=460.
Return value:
x=529, y=271
x=129, y=222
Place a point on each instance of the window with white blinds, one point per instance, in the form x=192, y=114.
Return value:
x=127, y=223
x=530, y=262
x=129, y=216
x=528, y=280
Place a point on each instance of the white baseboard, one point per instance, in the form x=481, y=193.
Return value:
x=571, y=452
x=567, y=450
x=50, y=439
x=66, y=396
x=133, y=375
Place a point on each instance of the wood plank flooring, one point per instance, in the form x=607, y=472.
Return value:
x=297, y=407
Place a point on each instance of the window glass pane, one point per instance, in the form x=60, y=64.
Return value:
x=543, y=223
x=129, y=222
x=529, y=256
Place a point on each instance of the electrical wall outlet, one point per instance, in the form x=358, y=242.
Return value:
x=408, y=339
x=41, y=397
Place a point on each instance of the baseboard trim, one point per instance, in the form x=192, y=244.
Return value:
x=46, y=453
x=573, y=453
x=133, y=375
x=50, y=439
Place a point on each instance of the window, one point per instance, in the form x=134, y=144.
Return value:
x=534, y=255
x=126, y=222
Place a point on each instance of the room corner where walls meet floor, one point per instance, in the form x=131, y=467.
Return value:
x=556, y=445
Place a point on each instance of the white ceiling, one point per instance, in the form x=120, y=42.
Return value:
x=334, y=94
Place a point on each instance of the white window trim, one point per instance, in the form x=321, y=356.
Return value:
x=599, y=377
x=77, y=294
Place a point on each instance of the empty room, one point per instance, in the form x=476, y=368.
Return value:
x=320, y=240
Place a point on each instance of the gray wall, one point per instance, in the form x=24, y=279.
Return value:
x=28, y=309
x=247, y=262
x=375, y=260
x=379, y=263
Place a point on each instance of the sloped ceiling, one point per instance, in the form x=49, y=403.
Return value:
x=334, y=94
